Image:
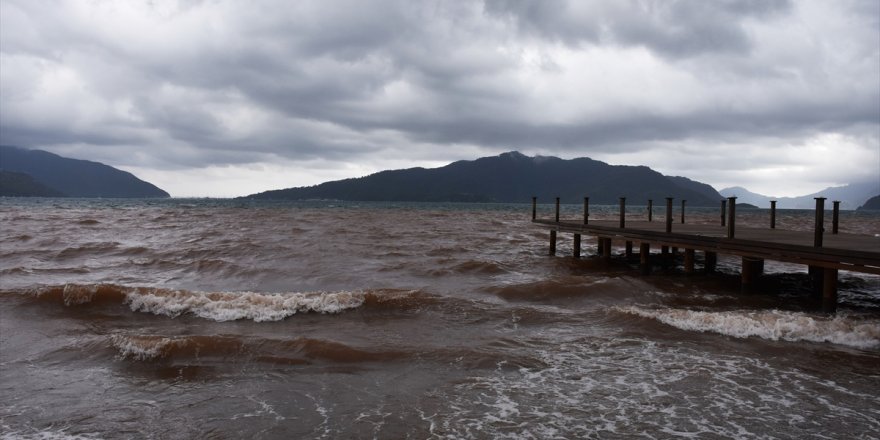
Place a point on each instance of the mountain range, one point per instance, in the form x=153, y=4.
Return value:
x=850, y=196
x=40, y=173
x=510, y=177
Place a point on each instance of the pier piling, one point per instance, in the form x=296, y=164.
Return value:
x=820, y=222
x=669, y=215
x=650, y=210
x=835, y=216
x=731, y=218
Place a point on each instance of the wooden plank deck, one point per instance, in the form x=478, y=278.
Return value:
x=859, y=253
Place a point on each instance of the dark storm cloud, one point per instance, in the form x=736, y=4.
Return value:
x=197, y=84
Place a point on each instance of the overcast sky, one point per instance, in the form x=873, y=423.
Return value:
x=221, y=98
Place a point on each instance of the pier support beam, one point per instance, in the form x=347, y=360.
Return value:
x=752, y=268
x=829, y=290
x=645, y=257
x=629, y=250
x=689, y=261
x=710, y=262
x=576, y=251
x=606, y=253
x=553, y=242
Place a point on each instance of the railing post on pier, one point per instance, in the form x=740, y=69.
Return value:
x=820, y=221
x=773, y=214
x=682, y=210
x=668, y=215
x=731, y=218
x=650, y=210
x=557, y=210
x=622, y=212
x=586, y=210
x=534, y=208
x=835, y=216
x=723, y=212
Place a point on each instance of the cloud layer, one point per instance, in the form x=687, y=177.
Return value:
x=224, y=98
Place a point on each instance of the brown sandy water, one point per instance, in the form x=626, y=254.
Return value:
x=227, y=319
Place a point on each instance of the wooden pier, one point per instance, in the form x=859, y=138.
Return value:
x=824, y=254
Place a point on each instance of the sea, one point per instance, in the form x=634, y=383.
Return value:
x=230, y=319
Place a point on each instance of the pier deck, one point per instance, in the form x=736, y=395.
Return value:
x=824, y=254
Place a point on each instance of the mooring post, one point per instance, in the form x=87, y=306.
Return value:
x=835, y=216
x=820, y=221
x=682, y=210
x=773, y=214
x=552, y=242
x=645, y=257
x=668, y=215
x=829, y=290
x=534, y=208
x=650, y=210
x=622, y=212
x=576, y=252
x=731, y=218
x=586, y=210
x=557, y=210
x=710, y=261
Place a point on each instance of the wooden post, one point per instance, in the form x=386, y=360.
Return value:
x=817, y=275
x=820, y=221
x=534, y=208
x=668, y=215
x=773, y=214
x=600, y=246
x=829, y=290
x=552, y=242
x=606, y=253
x=586, y=210
x=650, y=210
x=689, y=261
x=835, y=216
x=731, y=218
x=711, y=261
x=628, y=249
x=576, y=252
x=645, y=257
x=723, y=212
x=682, y=210
x=752, y=268
x=557, y=210
x=622, y=212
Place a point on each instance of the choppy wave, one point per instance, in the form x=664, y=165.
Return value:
x=216, y=306
x=769, y=324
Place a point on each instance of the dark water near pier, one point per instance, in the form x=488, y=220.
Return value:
x=225, y=319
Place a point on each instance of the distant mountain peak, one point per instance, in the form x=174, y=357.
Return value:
x=71, y=177
x=509, y=177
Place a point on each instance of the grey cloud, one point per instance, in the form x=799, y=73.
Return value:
x=344, y=80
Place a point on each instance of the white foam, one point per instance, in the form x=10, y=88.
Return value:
x=229, y=306
x=141, y=348
x=770, y=324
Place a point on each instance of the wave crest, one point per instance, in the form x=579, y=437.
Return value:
x=769, y=324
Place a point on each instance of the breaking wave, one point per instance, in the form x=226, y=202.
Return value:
x=775, y=325
x=216, y=306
